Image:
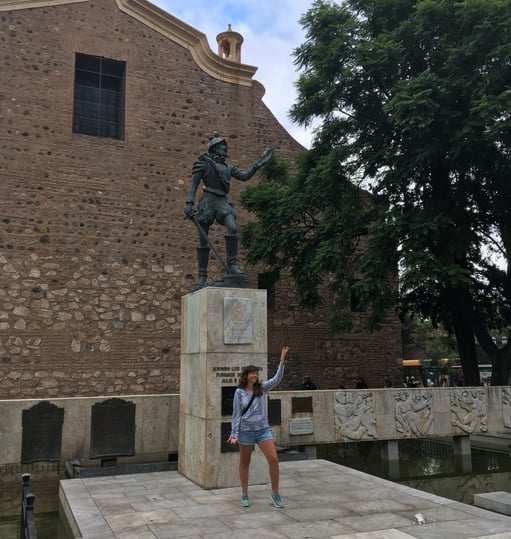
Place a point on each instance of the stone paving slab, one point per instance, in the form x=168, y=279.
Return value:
x=495, y=501
x=381, y=534
x=323, y=500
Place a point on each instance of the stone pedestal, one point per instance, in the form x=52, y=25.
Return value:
x=223, y=330
x=462, y=453
x=390, y=458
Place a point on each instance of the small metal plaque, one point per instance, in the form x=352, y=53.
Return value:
x=112, y=429
x=227, y=399
x=237, y=321
x=225, y=446
x=274, y=412
x=301, y=405
x=42, y=432
x=300, y=426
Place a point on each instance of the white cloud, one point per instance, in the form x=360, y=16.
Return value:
x=271, y=32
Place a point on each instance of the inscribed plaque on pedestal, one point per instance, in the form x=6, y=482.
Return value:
x=237, y=321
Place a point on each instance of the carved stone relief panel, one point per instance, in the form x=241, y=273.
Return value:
x=506, y=407
x=469, y=410
x=413, y=412
x=354, y=415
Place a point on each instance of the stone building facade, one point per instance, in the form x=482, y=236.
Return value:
x=94, y=252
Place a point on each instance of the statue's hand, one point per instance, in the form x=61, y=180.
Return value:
x=189, y=210
x=264, y=157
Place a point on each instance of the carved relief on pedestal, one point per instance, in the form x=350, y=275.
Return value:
x=413, y=412
x=506, y=407
x=354, y=415
x=469, y=410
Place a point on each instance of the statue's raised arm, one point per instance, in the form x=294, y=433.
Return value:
x=264, y=158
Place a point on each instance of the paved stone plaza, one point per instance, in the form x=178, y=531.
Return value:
x=323, y=500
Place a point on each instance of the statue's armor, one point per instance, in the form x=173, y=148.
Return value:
x=215, y=176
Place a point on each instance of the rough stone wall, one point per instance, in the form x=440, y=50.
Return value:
x=94, y=252
x=332, y=361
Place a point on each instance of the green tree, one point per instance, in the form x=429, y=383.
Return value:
x=413, y=100
x=435, y=342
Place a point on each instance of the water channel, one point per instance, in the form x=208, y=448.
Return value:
x=428, y=465
x=424, y=464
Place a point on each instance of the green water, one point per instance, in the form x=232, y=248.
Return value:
x=44, y=484
x=428, y=466
x=48, y=526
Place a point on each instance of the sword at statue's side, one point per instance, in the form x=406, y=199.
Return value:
x=210, y=243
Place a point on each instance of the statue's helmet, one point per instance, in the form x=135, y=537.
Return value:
x=214, y=140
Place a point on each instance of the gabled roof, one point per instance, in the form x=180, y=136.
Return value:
x=169, y=26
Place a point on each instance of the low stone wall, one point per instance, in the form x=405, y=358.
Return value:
x=297, y=418
x=318, y=417
x=156, y=427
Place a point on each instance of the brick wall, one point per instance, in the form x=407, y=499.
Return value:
x=94, y=252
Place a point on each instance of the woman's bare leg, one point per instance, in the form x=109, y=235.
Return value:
x=245, y=456
x=270, y=452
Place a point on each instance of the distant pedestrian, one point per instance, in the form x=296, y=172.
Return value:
x=306, y=383
x=361, y=383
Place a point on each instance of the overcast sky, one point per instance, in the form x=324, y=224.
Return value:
x=271, y=32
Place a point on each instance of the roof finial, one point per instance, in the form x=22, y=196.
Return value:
x=229, y=45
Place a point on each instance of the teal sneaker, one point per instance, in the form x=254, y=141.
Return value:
x=245, y=502
x=277, y=500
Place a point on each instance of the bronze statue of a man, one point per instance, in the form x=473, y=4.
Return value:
x=212, y=170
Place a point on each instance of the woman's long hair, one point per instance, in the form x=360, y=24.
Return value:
x=258, y=388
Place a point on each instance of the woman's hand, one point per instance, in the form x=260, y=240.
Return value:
x=283, y=354
x=232, y=440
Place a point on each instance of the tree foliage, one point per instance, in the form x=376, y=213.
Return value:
x=434, y=342
x=411, y=162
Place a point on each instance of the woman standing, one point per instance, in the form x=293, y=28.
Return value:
x=250, y=426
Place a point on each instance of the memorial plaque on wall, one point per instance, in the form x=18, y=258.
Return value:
x=112, y=429
x=274, y=412
x=301, y=425
x=42, y=432
x=225, y=446
x=227, y=399
x=301, y=404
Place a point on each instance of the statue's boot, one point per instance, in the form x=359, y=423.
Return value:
x=202, y=260
x=231, y=250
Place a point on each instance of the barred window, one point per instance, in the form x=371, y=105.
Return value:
x=99, y=96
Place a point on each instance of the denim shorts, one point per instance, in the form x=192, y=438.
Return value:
x=252, y=437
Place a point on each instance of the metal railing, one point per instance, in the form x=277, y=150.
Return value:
x=27, y=521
